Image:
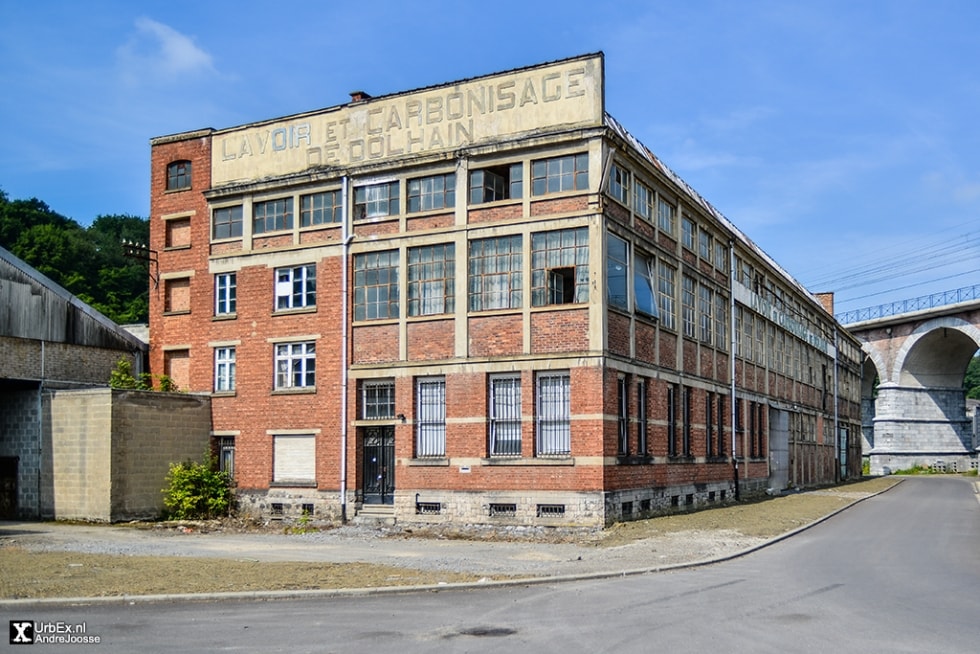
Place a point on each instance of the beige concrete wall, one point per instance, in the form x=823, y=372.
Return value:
x=80, y=427
x=111, y=450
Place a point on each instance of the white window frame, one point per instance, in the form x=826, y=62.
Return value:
x=295, y=365
x=225, y=294
x=224, y=369
x=430, y=417
x=295, y=287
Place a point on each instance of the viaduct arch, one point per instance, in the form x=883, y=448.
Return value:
x=916, y=412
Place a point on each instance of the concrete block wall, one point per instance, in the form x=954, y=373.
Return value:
x=111, y=450
x=20, y=412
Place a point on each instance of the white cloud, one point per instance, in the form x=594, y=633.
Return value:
x=159, y=51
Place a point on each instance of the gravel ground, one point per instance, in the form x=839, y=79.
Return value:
x=59, y=560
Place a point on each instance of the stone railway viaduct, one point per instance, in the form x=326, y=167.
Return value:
x=913, y=400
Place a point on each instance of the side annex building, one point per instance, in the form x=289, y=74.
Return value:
x=484, y=302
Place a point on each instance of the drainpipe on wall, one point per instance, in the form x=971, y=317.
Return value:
x=346, y=238
x=734, y=342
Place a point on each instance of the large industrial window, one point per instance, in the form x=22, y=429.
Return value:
x=429, y=193
x=376, y=200
x=431, y=279
x=295, y=365
x=224, y=369
x=644, y=298
x=430, y=417
x=617, y=272
x=497, y=183
x=721, y=321
x=272, y=216
x=619, y=184
x=377, y=399
x=688, y=232
x=665, y=217
x=643, y=199
x=706, y=246
x=505, y=415
x=295, y=287
x=705, y=305
x=554, y=417
x=560, y=267
x=665, y=290
x=225, y=293
x=227, y=222
x=376, y=285
x=178, y=175
x=570, y=173
x=320, y=209
x=688, y=309
x=495, y=273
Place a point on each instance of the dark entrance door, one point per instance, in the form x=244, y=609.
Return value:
x=379, y=465
x=8, y=487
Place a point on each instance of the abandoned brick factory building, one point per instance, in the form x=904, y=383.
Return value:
x=484, y=302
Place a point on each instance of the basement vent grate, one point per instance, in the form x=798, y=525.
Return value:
x=551, y=510
x=502, y=510
x=428, y=508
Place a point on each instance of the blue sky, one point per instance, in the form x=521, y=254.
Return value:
x=841, y=136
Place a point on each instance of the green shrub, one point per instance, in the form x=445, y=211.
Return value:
x=197, y=490
x=122, y=378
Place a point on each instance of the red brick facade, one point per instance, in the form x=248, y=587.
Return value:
x=470, y=400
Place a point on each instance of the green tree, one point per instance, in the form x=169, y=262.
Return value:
x=971, y=381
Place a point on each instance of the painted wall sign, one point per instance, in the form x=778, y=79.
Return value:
x=445, y=118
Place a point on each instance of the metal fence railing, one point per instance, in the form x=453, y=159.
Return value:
x=921, y=303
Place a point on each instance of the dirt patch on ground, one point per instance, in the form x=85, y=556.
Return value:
x=26, y=573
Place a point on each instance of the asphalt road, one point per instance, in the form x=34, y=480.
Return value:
x=897, y=573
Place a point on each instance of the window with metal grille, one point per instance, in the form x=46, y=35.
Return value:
x=434, y=192
x=560, y=267
x=686, y=408
x=619, y=183
x=224, y=369
x=505, y=415
x=495, y=273
x=569, y=173
x=430, y=417
x=497, y=183
x=376, y=200
x=688, y=310
x=617, y=272
x=377, y=399
x=672, y=420
x=554, y=437
x=502, y=510
x=295, y=287
x=226, y=455
x=431, y=279
x=320, y=208
x=295, y=365
x=709, y=425
x=226, y=222
x=721, y=425
x=641, y=415
x=665, y=292
x=622, y=418
x=272, y=215
x=551, y=510
x=376, y=285
x=178, y=175
x=428, y=508
x=225, y=293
